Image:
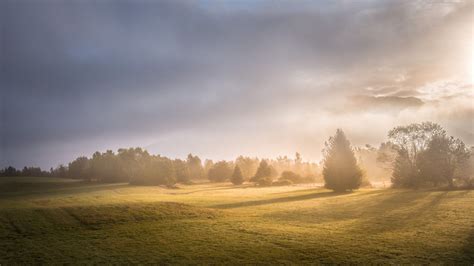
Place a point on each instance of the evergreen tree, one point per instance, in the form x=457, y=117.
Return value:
x=237, y=178
x=264, y=174
x=340, y=171
x=404, y=171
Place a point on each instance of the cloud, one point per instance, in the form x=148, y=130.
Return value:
x=89, y=75
x=381, y=103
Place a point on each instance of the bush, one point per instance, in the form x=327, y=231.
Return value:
x=291, y=176
x=282, y=182
x=264, y=181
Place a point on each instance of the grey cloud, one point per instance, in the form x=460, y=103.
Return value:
x=385, y=102
x=75, y=71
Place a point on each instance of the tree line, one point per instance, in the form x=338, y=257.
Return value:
x=138, y=166
x=417, y=155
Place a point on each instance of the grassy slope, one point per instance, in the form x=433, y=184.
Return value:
x=60, y=222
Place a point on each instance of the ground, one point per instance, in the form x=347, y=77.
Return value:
x=46, y=220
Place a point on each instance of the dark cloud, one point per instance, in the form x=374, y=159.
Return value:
x=385, y=102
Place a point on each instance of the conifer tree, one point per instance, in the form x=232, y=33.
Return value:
x=237, y=178
x=264, y=174
x=340, y=171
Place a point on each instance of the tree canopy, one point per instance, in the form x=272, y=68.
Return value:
x=426, y=155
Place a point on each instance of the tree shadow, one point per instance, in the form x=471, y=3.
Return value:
x=400, y=212
x=468, y=248
x=279, y=200
x=14, y=190
x=375, y=204
x=211, y=189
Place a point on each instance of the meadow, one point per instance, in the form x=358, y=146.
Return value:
x=50, y=220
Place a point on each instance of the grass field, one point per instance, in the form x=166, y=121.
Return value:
x=60, y=221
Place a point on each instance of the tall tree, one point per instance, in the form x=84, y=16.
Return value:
x=264, y=175
x=444, y=155
x=237, y=178
x=208, y=164
x=425, y=155
x=194, y=165
x=220, y=172
x=247, y=165
x=404, y=171
x=340, y=171
x=410, y=141
x=79, y=168
x=131, y=161
x=10, y=171
x=156, y=170
x=182, y=171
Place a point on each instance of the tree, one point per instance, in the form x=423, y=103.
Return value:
x=340, y=171
x=79, y=168
x=220, y=172
x=10, y=171
x=444, y=155
x=60, y=171
x=208, y=164
x=32, y=171
x=414, y=138
x=264, y=174
x=182, y=171
x=465, y=172
x=156, y=170
x=131, y=161
x=409, y=142
x=194, y=165
x=247, y=165
x=106, y=167
x=237, y=178
x=425, y=155
x=404, y=171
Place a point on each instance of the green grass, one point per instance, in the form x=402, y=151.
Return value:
x=59, y=221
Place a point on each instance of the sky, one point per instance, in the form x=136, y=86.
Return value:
x=226, y=78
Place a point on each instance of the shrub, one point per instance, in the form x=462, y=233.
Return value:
x=282, y=182
x=291, y=176
x=265, y=181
